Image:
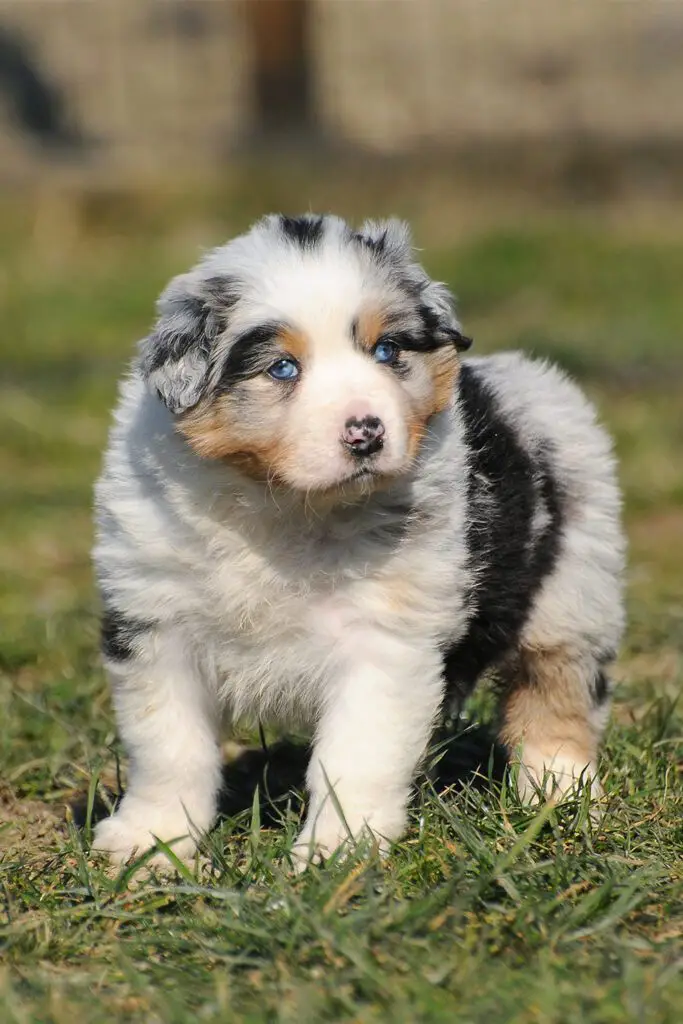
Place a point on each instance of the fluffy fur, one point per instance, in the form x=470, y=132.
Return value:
x=266, y=550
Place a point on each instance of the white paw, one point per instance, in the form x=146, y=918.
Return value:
x=554, y=776
x=327, y=836
x=123, y=838
x=312, y=847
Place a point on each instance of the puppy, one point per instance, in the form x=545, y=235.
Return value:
x=313, y=512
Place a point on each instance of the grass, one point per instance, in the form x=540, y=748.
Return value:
x=486, y=911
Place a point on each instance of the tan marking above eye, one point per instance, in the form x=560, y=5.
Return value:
x=443, y=363
x=293, y=343
x=370, y=326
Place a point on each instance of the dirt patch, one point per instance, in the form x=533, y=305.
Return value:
x=28, y=824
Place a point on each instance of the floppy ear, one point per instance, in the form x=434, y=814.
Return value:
x=390, y=240
x=439, y=301
x=175, y=358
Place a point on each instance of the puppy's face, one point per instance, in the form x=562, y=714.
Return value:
x=306, y=353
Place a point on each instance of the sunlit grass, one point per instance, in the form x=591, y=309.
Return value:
x=484, y=912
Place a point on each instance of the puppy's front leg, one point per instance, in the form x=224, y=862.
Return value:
x=374, y=728
x=168, y=722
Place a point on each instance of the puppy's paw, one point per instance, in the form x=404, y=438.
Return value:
x=555, y=776
x=123, y=838
x=309, y=849
x=329, y=837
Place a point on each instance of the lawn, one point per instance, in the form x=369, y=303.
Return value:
x=487, y=911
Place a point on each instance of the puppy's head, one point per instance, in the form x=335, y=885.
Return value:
x=306, y=352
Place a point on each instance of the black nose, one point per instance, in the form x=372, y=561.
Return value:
x=363, y=437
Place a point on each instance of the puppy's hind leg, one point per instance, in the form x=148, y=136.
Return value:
x=554, y=711
x=168, y=721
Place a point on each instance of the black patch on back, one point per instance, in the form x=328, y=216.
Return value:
x=119, y=633
x=305, y=231
x=250, y=354
x=505, y=486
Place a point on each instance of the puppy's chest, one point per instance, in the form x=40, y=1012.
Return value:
x=294, y=605
x=272, y=597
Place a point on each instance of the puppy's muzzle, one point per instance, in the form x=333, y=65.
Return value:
x=362, y=437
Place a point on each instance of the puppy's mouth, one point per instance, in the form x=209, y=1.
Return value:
x=363, y=480
x=363, y=473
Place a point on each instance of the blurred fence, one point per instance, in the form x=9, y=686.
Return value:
x=124, y=87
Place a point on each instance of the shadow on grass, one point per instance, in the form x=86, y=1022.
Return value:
x=469, y=756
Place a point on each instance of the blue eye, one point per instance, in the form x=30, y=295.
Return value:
x=386, y=352
x=284, y=369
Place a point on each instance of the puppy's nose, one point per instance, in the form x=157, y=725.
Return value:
x=363, y=436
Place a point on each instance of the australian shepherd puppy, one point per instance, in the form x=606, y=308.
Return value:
x=313, y=512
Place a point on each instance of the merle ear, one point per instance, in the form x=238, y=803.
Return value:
x=175, y=359
x=441, y=304
x=388, y=239
x=461, y=341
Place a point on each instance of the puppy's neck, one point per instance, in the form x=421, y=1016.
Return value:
x=337, y=514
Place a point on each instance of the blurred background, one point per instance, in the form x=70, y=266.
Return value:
x=536, y=146
x=124, y=88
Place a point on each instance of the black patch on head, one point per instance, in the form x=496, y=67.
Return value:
x=431, y=321
x=505, y=485
x=250, y=354
x=423, y=338
x=119, y=634
x=377, y=247
x=413, y=341
x=432, y=333
x=418, y=340
x=305, y=231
